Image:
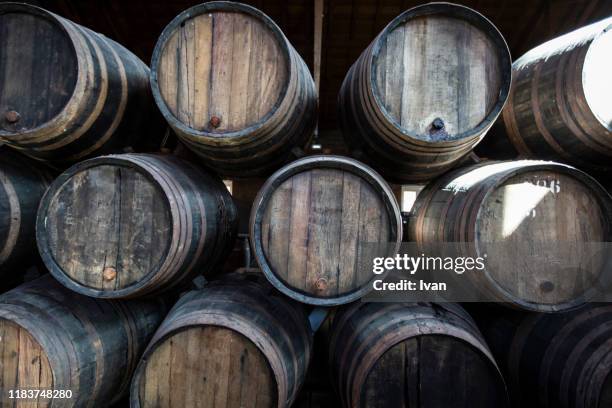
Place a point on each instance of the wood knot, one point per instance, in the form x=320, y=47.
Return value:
x=321, y=284
x=215, y=121
x=12, y=116
x=109, y=273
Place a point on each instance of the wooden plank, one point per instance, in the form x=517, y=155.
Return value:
x=324, y=232
x=349, y=236
x=299, y=229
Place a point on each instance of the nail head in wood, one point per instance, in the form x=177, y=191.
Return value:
x=321, y=284
x=215, y=121
x=437, y=124
x=12, y=116
x=109, y=273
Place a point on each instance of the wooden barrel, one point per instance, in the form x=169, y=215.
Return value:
x=317, y=222
x=66, y=92
x=233, y=88
x=233, y=344
x=425, y=91
x=558, y=106
x=540, y=227
x=134, y=224
x=55, y=339
x=412, y=355
x=561, y=360
x=22, y=185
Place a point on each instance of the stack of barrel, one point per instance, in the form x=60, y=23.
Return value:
x=130, y=227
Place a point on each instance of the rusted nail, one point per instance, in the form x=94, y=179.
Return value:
x=321, y=284
x=547, y=286
x=109, y=273
x=215, y=121
x=437, y=124
x=12, y=116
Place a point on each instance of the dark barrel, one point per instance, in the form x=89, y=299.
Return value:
x=561, y=360
x=22, y=185
x=134, y=224
x=315, y=225
x=233, y=88
x=412, y=355
x=541, y=228
x=425, y=91
x=558, y=106
x=55, y=339
x=235, y=343
x=66, y=92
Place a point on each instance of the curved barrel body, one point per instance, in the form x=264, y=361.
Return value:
x=66, y=92
x=540, y=227
x=55, y=339
x=234, y=343
x=412, y=355
x=233, y=88
x=425, y=91
x=134, y=224
x=317, y=222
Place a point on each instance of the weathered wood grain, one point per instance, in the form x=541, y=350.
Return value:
x=67, y=93
x=554, y=359
x=232, y=344
x=412, y=355
x=233, y=88
x=52, y=338
x=128, y=225
x=425, y=91
x=541, y=225
x=22, y=185
x=557, y=106
x=317, y=222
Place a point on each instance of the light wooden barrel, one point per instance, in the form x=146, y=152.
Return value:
x=540, y=226
x=558, y=106
x=317, y=222
x=55, y=339
x=66, y=92
x=235, y=343
x=233, y=88
x=134, y=224
x=412, y=355
x=425, y=91
x=22, y=185
x=561, y=360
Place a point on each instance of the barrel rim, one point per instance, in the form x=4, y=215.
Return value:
x=317, y=162
x=538, y=165
x=156, y=342
x=29, y=326
x=480, y=21
x=75, y=98
x=203, y=8
x=42, y=239
x=447, y=328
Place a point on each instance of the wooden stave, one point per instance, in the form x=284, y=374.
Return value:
x=553, y=360
x=22, y=184
x=195, y=198
x=277, y=326
x=570, y=132
x=110, y=103
x=289, y=170
x=60, y=320
x=260, y=148
x=461, y=228
x=397, y=155
x=374, y=328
